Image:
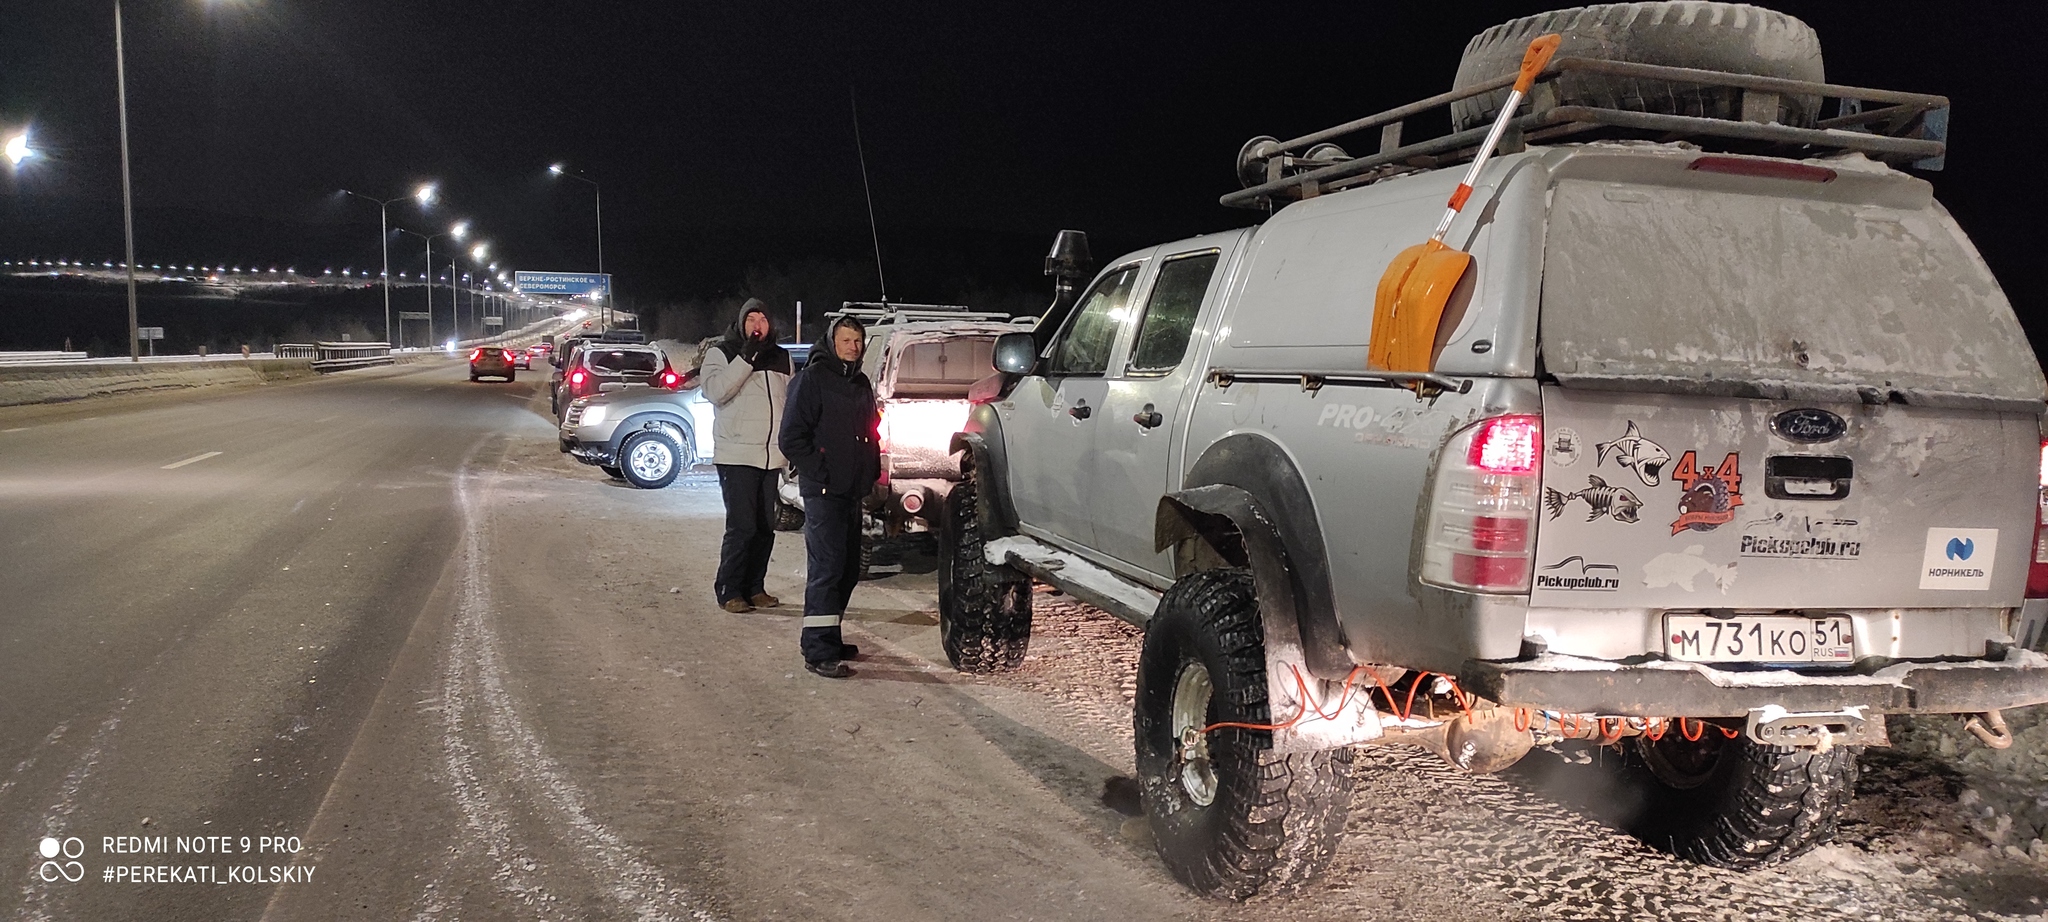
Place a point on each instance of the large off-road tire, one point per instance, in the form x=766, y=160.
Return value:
x=984, y=609
x=1231, y=818
x=1733, y=37
x=1734, y=803
x=650, y=459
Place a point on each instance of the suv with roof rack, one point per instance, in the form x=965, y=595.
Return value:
x=1723, y=447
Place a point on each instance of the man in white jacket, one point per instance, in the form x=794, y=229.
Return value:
x=745, y=376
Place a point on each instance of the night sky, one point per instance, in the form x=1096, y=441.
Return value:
x=722, y=132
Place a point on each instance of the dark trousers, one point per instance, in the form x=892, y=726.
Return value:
x=749, y=531
x=832, y=558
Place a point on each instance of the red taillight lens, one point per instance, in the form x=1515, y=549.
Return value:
x=576, y=377
x=668, y=378
x=1766, y=169
x=1482, y=518
x=477, y=355
x=2037, y=568
x=1506, y=445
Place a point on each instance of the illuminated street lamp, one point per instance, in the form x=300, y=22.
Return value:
x=18, y=149
x=425, y=196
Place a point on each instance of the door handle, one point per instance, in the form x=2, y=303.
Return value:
x=1148, y=417
x=1080, y=411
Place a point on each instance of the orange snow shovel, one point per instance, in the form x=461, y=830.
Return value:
x=1412, y=294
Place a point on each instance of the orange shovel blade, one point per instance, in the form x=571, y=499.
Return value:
x=1385, y=304
x=1410, y=302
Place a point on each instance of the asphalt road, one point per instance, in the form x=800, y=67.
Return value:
x=380, y=616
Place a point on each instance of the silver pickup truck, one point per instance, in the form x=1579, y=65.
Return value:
x=1728, y=447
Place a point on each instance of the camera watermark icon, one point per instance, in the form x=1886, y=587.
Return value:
x=69, y=869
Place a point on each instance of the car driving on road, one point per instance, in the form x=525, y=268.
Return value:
x=490, y=362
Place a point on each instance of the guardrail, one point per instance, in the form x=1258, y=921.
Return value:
x=342, y=356
x=40, y=358
x=297, y=350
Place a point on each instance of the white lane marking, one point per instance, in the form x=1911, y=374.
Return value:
x=16, y=429
x=192, y=460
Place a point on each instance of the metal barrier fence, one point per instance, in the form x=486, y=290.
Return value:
x=341, y=356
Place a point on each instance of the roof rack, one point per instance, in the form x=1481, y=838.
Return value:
x=875, y=311
x=1908, y=129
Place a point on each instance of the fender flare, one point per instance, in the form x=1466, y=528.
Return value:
x=655, y=419
x=985, y=454
x=1245, y=504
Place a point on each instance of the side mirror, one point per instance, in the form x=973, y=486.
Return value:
x=1016, y=353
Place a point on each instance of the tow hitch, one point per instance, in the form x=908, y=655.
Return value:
x=1772, y=725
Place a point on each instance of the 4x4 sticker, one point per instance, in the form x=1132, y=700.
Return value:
x=1958, y=558
x=1711, y=494
x=1600, y=498
x=1591, y=577
x=1636, y=453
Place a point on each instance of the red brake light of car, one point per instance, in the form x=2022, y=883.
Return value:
x=1506, y=445
x=476, y=355
x=576, y=377
x=668, y=378
x=2037, y=569
x=1767, y=169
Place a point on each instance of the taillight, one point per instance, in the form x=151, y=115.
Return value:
x=2037, y=570
x=1482, y=522
x=576, y=378
x=478, y=354
x=668, y=378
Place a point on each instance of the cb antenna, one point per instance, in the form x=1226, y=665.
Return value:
x=861, y=151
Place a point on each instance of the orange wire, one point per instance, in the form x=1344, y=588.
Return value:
x=1662, y=727
x=1690, y=735
x=1522, y=720
x=1301, y=711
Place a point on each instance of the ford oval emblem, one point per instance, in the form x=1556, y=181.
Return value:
x=1809, y=425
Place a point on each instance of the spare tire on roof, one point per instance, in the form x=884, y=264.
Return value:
x=1734, y=37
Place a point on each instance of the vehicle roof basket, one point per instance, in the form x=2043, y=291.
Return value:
x=1902, y=129
x=872, y=312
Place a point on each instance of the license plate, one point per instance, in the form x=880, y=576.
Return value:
x=1768, y=639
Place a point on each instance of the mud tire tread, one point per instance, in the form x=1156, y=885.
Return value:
x=1762, y=805
x=984, y=610
x=1735, y=37
x=1276, y=819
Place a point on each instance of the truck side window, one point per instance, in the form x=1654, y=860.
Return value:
x=1170, y=314
x=1083, y=347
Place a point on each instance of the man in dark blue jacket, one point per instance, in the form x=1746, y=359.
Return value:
x=829, y=435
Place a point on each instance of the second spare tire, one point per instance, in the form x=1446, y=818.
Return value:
x=1732, y=37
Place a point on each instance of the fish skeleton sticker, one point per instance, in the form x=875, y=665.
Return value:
x=1711, y=494
x=1600, y=499
x=1636, y=453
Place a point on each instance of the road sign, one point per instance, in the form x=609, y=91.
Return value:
x=494, y=321
x=149, y=332
x=412, y=315
x=597, y=286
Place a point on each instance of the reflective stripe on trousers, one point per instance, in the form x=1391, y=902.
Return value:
x=821, y=620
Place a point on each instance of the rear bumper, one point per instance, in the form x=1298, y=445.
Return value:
x=1665, y=689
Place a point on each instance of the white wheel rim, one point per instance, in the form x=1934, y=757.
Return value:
x=1190, y=714
x=651, y=459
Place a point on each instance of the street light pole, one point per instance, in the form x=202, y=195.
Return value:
x=598, y=191
x=425, y=195
x=127, y=193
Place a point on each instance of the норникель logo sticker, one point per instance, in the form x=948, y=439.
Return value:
x=1958, y=558
x=1711, y=494
x=1600, y=498
x=1636, y=453
x=1586, y=577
